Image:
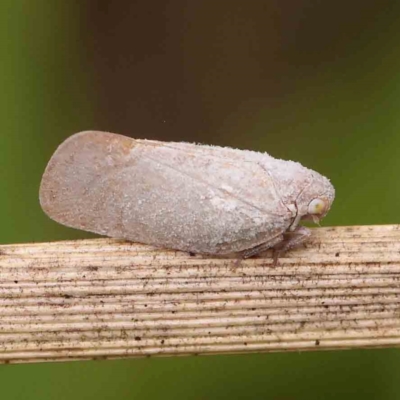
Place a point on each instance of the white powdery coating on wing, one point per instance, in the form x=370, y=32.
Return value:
x=200, y=202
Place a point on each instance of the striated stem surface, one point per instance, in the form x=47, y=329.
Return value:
x=105, y=298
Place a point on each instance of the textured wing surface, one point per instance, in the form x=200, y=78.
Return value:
x=188, y=197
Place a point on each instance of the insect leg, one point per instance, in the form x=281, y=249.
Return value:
x=291, y=240
x=262, y=247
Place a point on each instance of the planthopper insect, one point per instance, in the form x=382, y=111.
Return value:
x=195, y=198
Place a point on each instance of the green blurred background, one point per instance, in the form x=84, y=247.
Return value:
x=313, y=81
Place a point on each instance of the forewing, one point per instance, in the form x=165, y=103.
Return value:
x=170, y=195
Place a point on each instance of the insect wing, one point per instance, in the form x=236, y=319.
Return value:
x=188, y=197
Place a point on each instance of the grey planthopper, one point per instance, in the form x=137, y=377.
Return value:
x=195, y=198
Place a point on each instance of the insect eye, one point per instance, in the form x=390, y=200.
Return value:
x=316, y=206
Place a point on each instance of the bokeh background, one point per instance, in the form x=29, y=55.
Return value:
x=313, y=81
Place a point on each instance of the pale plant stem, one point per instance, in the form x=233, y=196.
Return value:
x=104, y=298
